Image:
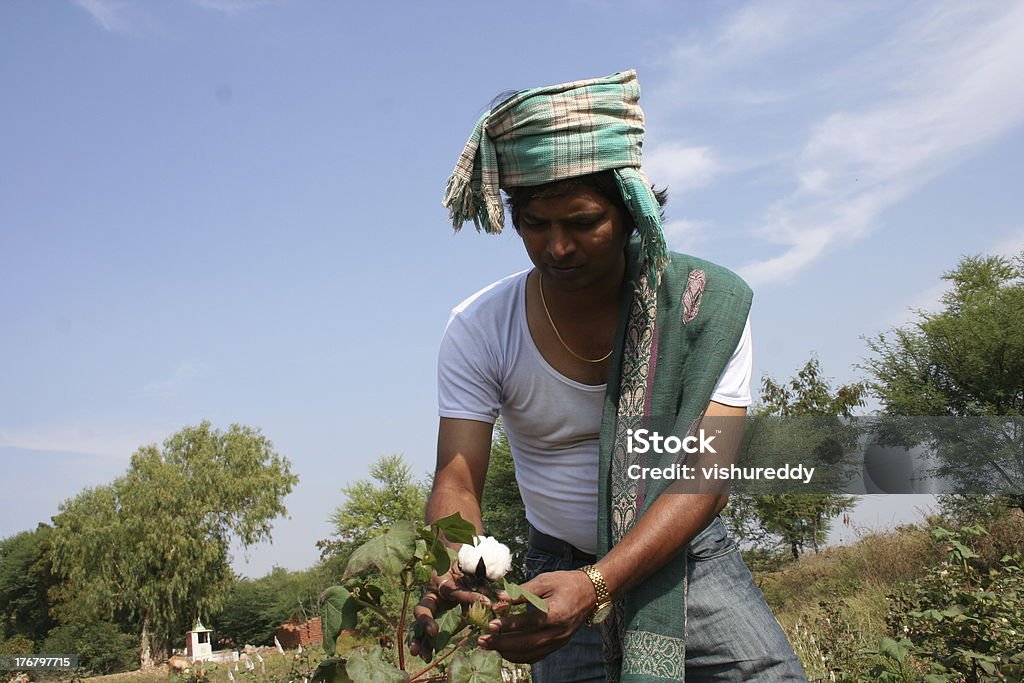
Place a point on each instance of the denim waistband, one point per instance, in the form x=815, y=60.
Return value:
x=555, y=546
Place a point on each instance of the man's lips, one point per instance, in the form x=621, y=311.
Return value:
x=562, y=269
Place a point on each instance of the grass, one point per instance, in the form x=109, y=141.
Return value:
x=287, y=667
x=834, y=605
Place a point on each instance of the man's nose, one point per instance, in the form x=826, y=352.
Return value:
x=561, y=243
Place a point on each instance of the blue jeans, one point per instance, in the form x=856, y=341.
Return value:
x=731, y=634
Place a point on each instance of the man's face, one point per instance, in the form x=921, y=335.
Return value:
x=576, y=238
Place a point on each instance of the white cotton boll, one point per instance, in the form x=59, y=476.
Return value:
x=496, y=556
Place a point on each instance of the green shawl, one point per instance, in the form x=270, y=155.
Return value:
x=672, y=347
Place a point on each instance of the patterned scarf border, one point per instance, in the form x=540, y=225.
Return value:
x=636, y=652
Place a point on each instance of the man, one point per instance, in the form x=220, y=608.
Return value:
x=607, y=333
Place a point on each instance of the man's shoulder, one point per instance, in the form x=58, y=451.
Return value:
x=682, y=269
x=494, y=299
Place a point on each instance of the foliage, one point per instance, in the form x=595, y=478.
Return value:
x=809, y=393
x=25, y=578
x=17, y=645
x=152, y=548
x=968, y=509
x=504, y=515
x=373, y=506
x=966, y=361
x=409, y=552
x=102, y=647
x=964, y=617
x=797, y=521
x=254, y=608
x=800, y=520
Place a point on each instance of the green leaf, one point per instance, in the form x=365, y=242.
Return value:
x=447, y=624
x=475, y=666
x=893, y=649
x=437, y=552
x=963, y=550
x=338, y=610
x=389, y=552
x=455, y=528
x=370, y=667
x=371, y=593
x=515, y=592
x=331, y=671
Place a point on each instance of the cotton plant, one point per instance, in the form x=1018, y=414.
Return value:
x=409, y=553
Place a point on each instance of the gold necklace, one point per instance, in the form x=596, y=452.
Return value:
x=540, y=285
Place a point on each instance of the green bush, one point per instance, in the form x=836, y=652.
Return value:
x=964, y=616
x=101, y=647
x=17, y=645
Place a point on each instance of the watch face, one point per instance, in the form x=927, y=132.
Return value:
x=603, y=610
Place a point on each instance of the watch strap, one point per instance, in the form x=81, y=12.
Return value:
x=600, y=587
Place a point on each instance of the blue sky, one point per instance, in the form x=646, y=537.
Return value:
x=228, y=210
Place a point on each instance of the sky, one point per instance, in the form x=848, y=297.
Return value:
x=229, y=210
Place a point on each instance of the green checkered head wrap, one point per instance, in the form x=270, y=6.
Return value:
x=553, y=133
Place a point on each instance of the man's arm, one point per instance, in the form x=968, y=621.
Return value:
x=463, y=452
x=662, y=531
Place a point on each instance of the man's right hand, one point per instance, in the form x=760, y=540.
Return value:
x=443, y=593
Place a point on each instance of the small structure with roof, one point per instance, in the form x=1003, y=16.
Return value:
x=198, y=645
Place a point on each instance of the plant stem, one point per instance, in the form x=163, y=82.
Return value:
x=446, y=655
x=399, y=640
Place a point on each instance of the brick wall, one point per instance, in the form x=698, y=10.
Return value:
x=305, y=633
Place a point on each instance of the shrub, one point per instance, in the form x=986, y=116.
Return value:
x=101, y=647
x=964, y=617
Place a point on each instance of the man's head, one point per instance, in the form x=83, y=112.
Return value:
x=548, y=136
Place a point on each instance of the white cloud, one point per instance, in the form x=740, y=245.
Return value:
x=930, y=299
x=723, y=64
x=681, y=167
x=107, y=13
x=184, y=373
x=684, y=235
x=953, y=88
x=81, y=437
x=230, y=6
x=1010, y=246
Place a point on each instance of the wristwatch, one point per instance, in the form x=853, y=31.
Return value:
x=604, y=599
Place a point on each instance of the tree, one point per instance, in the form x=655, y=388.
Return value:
x=965, y=362
x=504, y=515
x=152, y=548
x=796, y=521
x=371, y=507
x=255, y=608
x=25, y=579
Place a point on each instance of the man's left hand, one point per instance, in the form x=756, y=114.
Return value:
x=533, y=635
